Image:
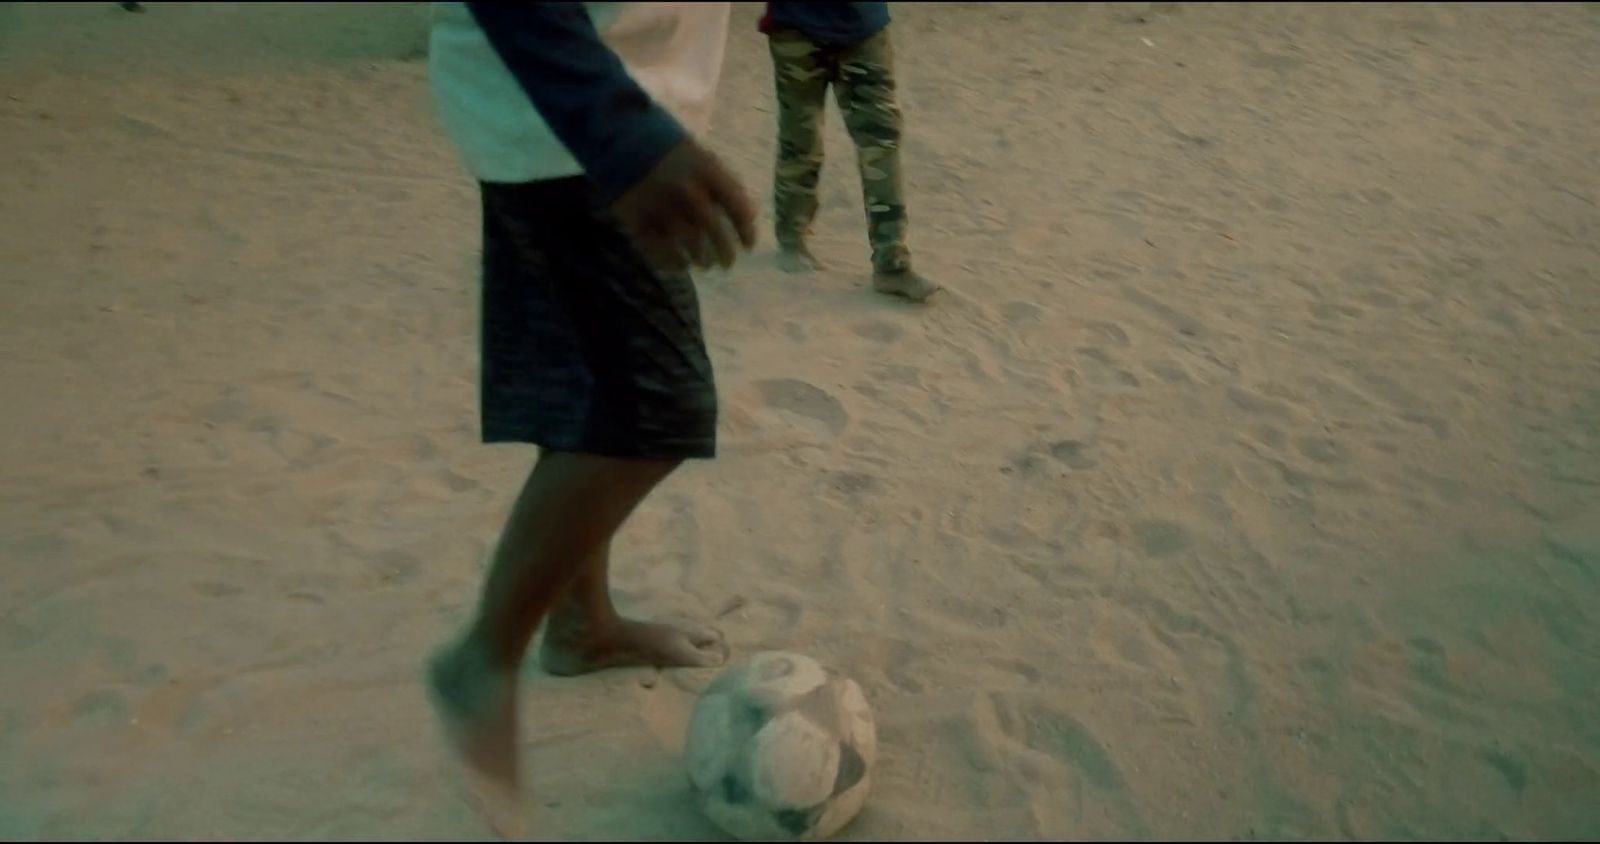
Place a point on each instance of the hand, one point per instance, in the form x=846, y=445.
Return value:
x=679, y=213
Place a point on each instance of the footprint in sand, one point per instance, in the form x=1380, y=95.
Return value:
x=1428, y=664
x=769, y=617
x=442, y=484
x=216, y=589
x=1269, y=436
x=1168, y=372
x=1073, y=453
x=1027, y=723
x=1160, y=538
x=299, y=447
x=1323, y=450
x=854, y=483
x=1510, y=768
x=1100, y=369
x=1438, y=427
x=900, y=374
x=395, y=567
x=1110, y=334
x=1025, y=464
x=104, y=707
x=806, y=400
x=902, y=666
x=1329, y=311
x=1254, y=403
x=176, y=703
x=879, y=331
x=1181, y=322
x=1019, y=312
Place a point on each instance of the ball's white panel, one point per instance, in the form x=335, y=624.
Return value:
x=793, y=763
x=775, y=677
x=713, y=740
x=860, y=729
x=779, y=748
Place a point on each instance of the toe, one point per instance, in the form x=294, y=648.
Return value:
x=707, y=646
x=703, y=636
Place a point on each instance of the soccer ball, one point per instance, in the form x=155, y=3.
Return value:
x=781, y=749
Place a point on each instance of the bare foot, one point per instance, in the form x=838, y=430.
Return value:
x=476, y=703
x=797, y=260
x=906, y=284
x=568, y=651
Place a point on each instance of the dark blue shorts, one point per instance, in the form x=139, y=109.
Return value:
x=585, y=347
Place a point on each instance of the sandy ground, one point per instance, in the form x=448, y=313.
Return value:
x=1246, y=483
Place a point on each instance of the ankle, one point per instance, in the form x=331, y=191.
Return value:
x=571, y=622
x=484, y=650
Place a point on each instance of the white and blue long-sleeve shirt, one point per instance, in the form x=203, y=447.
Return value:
x=537, y=91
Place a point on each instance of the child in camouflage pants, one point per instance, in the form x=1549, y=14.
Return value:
x=845, y=45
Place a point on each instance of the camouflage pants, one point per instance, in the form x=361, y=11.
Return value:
x=863, y=84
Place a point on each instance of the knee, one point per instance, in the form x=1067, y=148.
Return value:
x=798, y=152
x=878, y=127
x=799, y=135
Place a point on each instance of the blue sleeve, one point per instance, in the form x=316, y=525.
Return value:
x=581, y=89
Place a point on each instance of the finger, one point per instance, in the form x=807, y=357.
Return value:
x=723, y=240
x=717, y=233
x=711, y=245
x=657, y=240
x=729, y=194
x=692, y=241
x=701, y=253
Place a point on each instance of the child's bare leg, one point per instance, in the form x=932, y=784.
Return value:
x=585, y=632
x=565, y=516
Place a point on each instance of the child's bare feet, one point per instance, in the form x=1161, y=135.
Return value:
x=906, y=284
x=569, y=650
x=476, y=703
x=797, y=259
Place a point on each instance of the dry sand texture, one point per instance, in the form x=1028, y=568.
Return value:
x=1245, y=484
